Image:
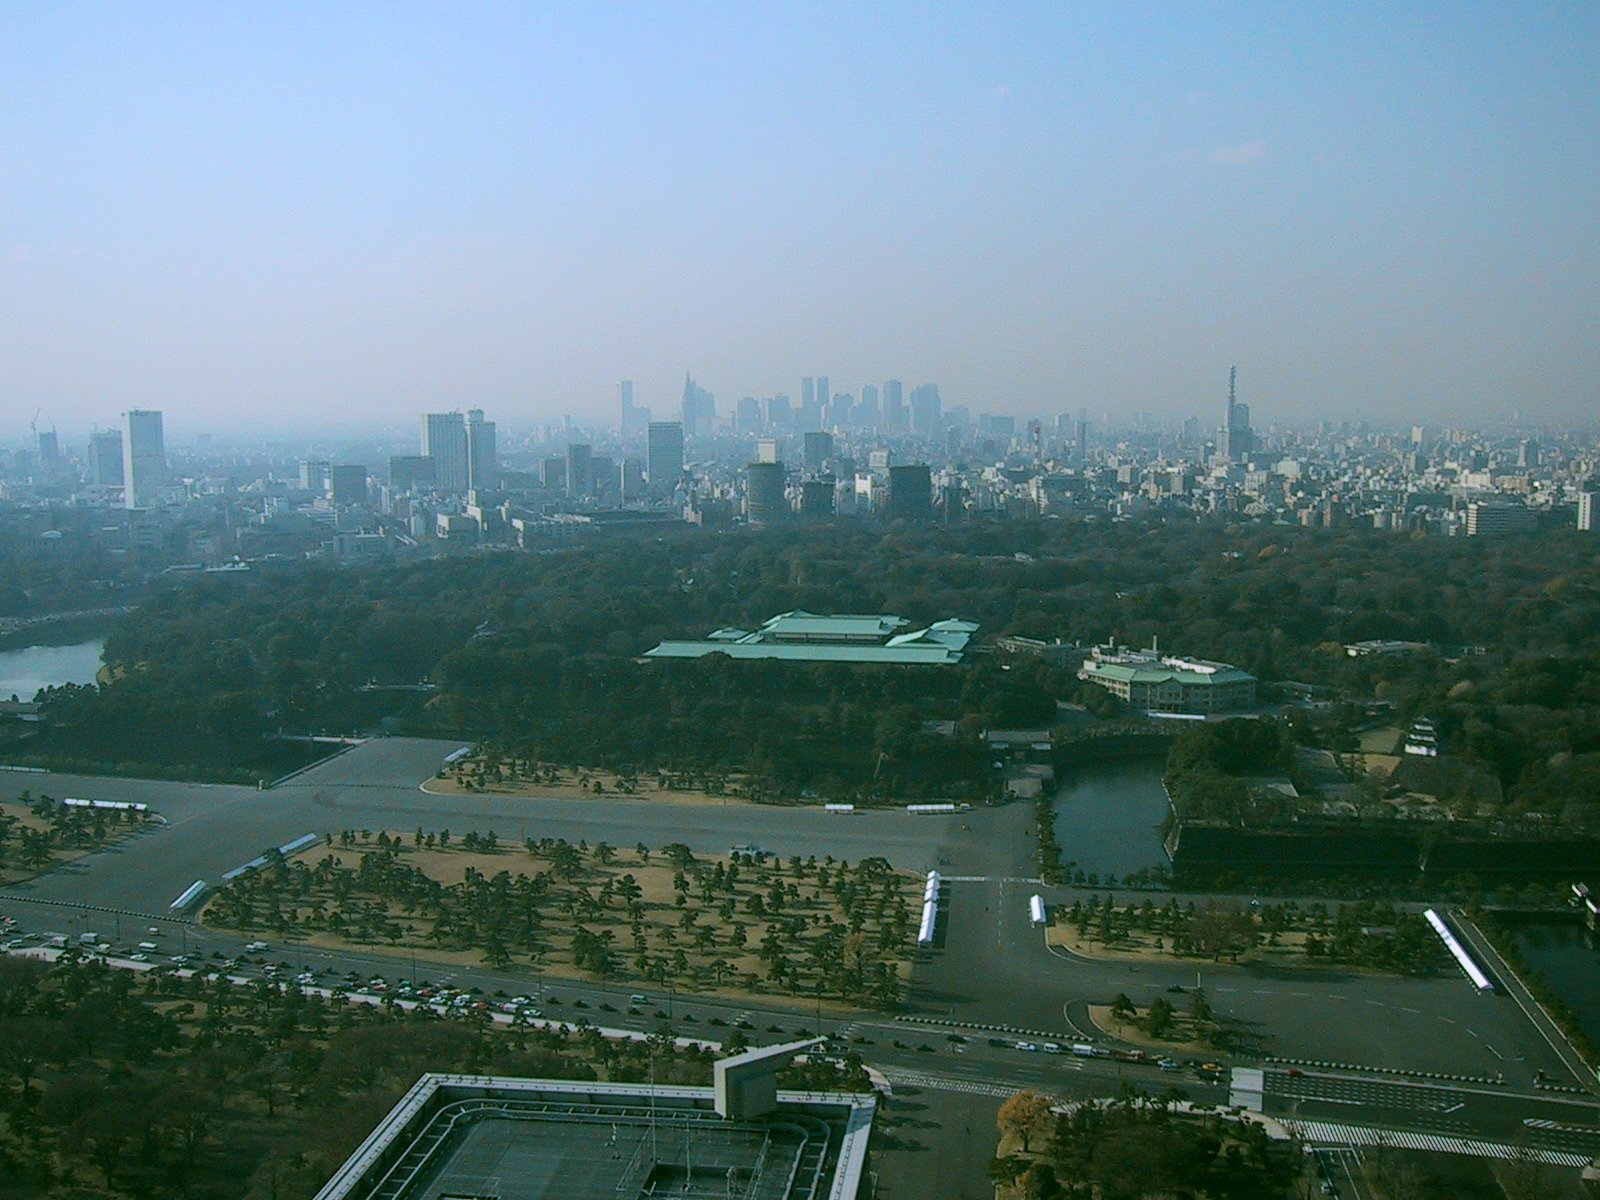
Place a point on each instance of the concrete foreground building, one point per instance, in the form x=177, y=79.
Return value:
x=457, y=1136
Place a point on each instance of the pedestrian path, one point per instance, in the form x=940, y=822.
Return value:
x=1327, y=1133
x=945, y=1083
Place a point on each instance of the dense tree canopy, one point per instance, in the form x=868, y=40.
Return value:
x=537, y=650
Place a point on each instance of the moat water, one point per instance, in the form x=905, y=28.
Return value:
x=25, y=670
x=1108, y=816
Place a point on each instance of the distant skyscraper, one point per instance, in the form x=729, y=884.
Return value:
x=823, y=395
x=817, y=497
x=409, y=472
x=483, y=459
x=818, y=450
x=868, y=404
x=808, y=391
x=767, y=450
x=347, y=484
x=49, y=452
x=314, y=474
x=747, y=416
x=144, y=457
x=894, y=407
x=765, y=503
x=1238, y=442
x=105, y=458
x=444, y=439
x=699, y=408
x=778, y=413
x=664, y=457
x=910, y=493
x=632, y=479
x=580, y=469
x=927, y=415
x=625, y=389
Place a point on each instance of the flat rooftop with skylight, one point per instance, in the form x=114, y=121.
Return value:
x=464, y=1137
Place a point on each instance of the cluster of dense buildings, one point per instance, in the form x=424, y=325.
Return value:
x=885, y=452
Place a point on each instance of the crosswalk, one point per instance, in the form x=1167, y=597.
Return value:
x=946, y=1083
x=1329, y=1133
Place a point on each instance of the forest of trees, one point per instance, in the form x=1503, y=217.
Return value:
x=537, y=651
x=1135, y=1147
x=117, y=1086
x=1209, y=766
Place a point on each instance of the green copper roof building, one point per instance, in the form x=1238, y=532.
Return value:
x=1155, y=682
x=845, y=638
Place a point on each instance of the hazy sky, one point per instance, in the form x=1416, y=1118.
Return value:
x=324, y=214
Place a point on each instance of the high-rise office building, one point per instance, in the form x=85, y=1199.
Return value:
x=894, y=407
x=817, y=497
x=699, y=408
x=765, y=502
x=580, y=469
x=105, y=458
x=664, y=457
x=747, y=415
x=927, y=410
x=411, y=472
x=483, y=459
x=553, y=473
x=867, y=404
x=632, y=478
x=347, y=484
x=778, y=413
x=314, y=474
x=625, y=394
x=808, y=392
x=910, y=493
x=444, y=439
x=865, y=414
x=1237, y=441
x=49, y=452
x=818, y=450
x=144, y=457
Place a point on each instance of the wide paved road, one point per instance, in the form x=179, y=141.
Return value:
x=991, y=965
x=212, y=829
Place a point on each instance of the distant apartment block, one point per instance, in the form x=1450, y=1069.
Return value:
x=1155, y=682
x=845, y=638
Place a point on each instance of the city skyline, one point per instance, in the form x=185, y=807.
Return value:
x=309, y=218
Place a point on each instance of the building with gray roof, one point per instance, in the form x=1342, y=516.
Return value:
x=458, y=1136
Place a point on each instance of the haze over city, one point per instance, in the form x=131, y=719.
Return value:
x=318, y=219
